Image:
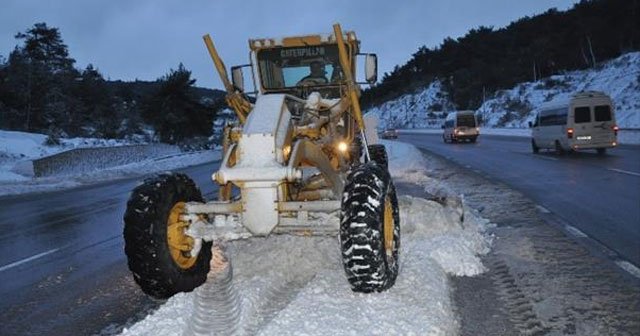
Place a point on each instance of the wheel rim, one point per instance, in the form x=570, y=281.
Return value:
x=388, y=225
x=180, y=245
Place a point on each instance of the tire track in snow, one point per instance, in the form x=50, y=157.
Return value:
x=276, y=298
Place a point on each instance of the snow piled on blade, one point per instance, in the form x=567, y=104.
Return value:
x=290, y=285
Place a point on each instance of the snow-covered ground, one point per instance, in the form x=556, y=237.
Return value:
x=19, y=147
x=290, y=285
x=619, y=78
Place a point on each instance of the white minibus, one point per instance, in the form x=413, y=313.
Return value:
x=461, y=126
x=584, y=121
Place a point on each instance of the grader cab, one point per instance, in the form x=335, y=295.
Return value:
x=300, y=151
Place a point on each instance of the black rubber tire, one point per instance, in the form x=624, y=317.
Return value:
x=534, y=148
x=378, y=154
x=601, y=151
x=558, y=148
x=444, y=139
x=473, y=140
x=145, y=237
x=367, y=265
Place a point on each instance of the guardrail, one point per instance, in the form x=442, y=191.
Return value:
x=626, y=136
x=81, y=160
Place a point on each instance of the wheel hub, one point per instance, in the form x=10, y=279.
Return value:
x=180, y=245
x=388, y=225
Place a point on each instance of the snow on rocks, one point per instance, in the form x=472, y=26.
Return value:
x=513, y=108
x=291, y=285
x=618, y=78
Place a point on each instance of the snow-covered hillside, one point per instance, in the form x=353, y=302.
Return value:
x=424, y=109
x=619, y=78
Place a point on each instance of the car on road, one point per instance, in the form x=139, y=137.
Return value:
x=390, y=133
x=461, y=126
x=584, y=121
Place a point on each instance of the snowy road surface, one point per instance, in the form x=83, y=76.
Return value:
x=62, y=262
x=63, y=269
x=598, y=196
x=290, y=285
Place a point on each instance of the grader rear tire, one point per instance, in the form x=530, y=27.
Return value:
x=370, y=229
x=155, y=244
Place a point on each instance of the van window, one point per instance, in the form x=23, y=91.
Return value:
x=467, y=120
x=448, y=123
x=603, y=113
x=582, y=114
x=553, y=117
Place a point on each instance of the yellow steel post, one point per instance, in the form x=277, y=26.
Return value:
x=352, y=91
x=348, y=73
x=233, y=98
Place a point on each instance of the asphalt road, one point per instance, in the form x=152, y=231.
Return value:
x=62, y=264
x=598, y=195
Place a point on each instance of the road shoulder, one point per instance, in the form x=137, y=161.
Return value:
x=542, y=280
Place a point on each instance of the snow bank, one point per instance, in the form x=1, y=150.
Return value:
x=293, y=285
x=23, y=185
x=23, y=145
x=18, y=147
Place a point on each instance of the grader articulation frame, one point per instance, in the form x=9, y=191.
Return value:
x=299, y=150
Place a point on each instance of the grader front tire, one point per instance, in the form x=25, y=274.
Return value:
x=370, y=229
x=155, y=244
x=378, y=154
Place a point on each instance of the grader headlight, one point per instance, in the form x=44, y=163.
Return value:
x=342, y=146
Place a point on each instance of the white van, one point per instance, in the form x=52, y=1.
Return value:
x=461, y=126
x=584, y=121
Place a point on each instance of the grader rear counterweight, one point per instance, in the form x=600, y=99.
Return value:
x=299, y=149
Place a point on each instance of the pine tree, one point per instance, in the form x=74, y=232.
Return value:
x=174, y=111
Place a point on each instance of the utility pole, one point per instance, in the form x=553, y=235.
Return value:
x=593, y=58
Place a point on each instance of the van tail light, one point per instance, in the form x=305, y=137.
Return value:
x=570, y=133
x=615, y=129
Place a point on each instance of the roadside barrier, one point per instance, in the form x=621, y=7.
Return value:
x=82, y=160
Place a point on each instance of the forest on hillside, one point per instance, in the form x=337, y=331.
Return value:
x=485, y=60
x=42, y=91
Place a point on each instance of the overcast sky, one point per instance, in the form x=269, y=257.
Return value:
x=145, y=38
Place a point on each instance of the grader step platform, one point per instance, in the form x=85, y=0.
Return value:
x=299, y=151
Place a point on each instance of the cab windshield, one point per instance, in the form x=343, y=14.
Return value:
x=284, y=68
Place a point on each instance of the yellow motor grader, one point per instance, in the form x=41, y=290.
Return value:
x=299, y=151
